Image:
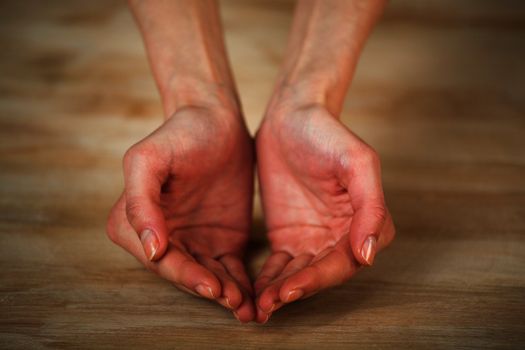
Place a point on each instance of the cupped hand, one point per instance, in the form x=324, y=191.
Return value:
x=186, y=208
x=323, y=204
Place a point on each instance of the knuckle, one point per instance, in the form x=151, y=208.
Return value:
x=379, y=212
x=370, y=156
x=376, y=216
x=129, y=156
x=365, y=158
x=138, y=153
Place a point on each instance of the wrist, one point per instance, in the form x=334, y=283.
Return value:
x=322, y=53
x=313, y=81
x=318, y=91
x=185, y=92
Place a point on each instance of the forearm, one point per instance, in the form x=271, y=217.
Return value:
x=323, y=50
x=186, y=50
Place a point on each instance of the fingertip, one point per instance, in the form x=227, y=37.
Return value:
x=153, y=244
x=163, y=244
x=262, y=317
x=266, y=302
x=299, y=284
x=238, y=317
x=245, y=312
x=216, y=290
x=207, y=285
x=368, y=250
x=148, y=221
x=365, y=229
x=230, y=298
x=231, y=294
x=205, y=291
x=292, y=295
x=233, y=297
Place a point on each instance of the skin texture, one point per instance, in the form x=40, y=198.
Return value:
x=201, y=211
x=186, y=208
x=320, y=183
x=322, y=197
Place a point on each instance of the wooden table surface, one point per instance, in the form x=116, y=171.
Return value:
x=439, y=92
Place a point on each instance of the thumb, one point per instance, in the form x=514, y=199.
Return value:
x=365, y=228
x=365, y=189
x=144, y=176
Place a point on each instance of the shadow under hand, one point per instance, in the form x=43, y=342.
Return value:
x=258, y=248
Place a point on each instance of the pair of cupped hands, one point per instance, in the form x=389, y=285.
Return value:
x=186, y=209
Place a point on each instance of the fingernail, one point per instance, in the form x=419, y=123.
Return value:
x=225, y=302
x=150, y=242
x=272, y=308
x=266, y=319
x=205, y=291
x=294, y=295
x=368, y=251
x=236, y=316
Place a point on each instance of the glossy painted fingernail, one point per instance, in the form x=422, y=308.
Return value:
x=294, y=295
x=205, y=291
x=368, y=251
x=150, y=242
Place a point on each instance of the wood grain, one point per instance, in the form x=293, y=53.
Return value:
x=440, y=92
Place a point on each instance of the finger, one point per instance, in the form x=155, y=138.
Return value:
x=245, y=312
x=177, y=266
x=296, y=264
x=365, y=229
x=181, y=268
x=365, y=189
x=262, y=316
x=231, y=296
x=269, y=299
x=144, y=174
x=272, y=268
x=331, y=270
x=235, y=268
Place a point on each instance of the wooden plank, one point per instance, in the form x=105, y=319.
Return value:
x=439, y=92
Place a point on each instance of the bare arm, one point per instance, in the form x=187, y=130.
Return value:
x=185, y=47
x=185, y=212
x=320, y=183
x=323, y=50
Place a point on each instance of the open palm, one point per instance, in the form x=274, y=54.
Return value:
x=323, y=204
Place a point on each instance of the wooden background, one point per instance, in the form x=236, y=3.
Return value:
x=440, y=92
